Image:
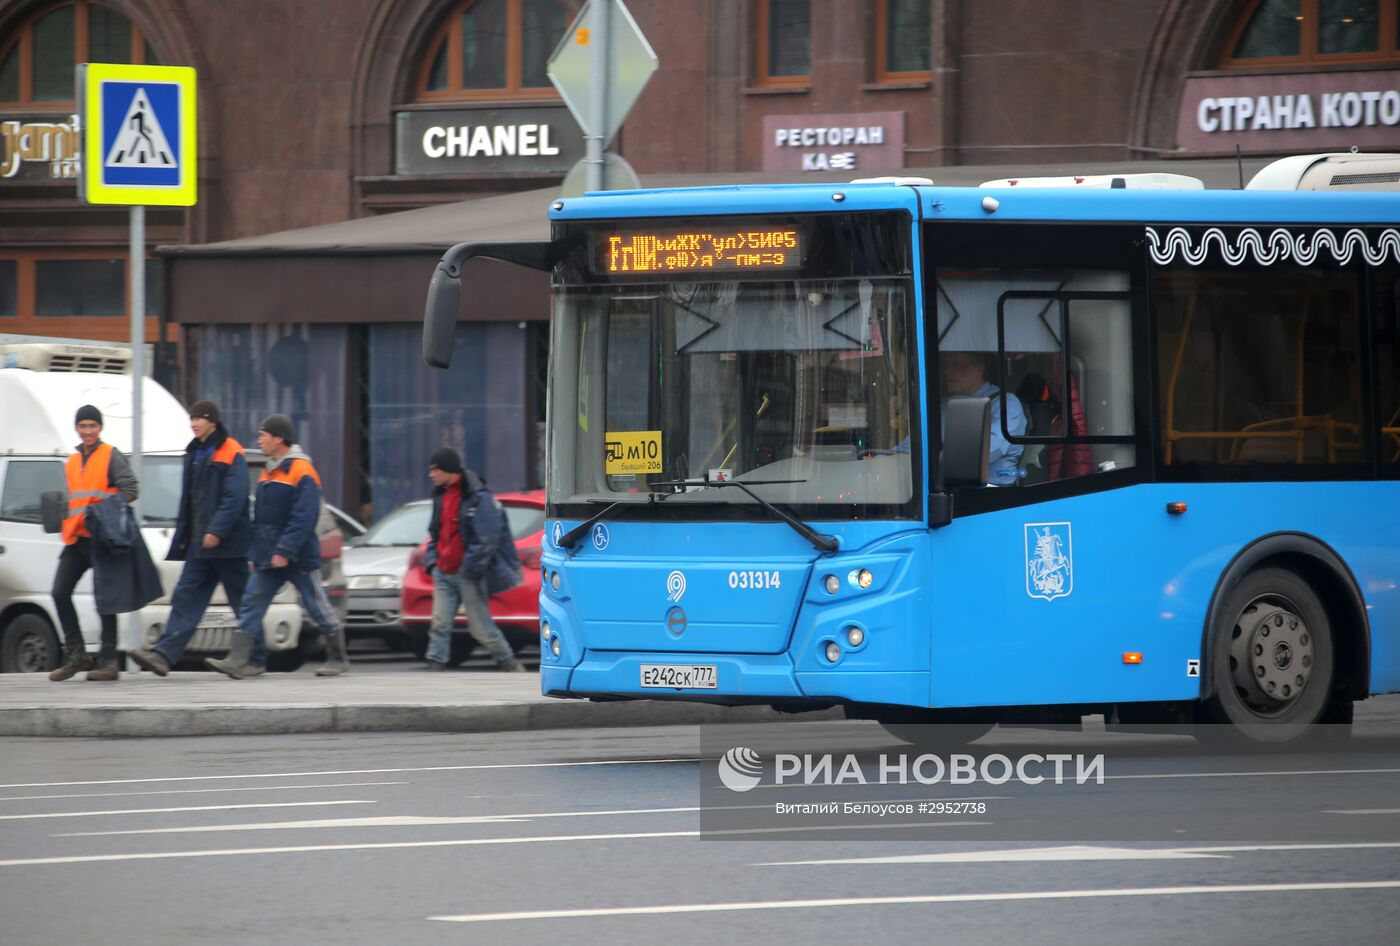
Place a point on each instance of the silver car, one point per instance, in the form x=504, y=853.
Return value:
x=374, y=565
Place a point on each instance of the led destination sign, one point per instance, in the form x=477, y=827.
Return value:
x=691, y=251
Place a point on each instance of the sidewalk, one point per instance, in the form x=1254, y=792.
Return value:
x=205, y=704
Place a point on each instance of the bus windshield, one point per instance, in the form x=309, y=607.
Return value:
x=802, y=389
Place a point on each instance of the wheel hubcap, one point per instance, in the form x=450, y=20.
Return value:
x=32, y=654
x=1271, y=655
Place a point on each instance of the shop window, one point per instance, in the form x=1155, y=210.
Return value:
x=784, y=42
x=33, y=285
x=493, y=49
x=1259, y=367
x=902, y=50
x=37, y=60
x=79, y=287
x=9, y=287
x=1275, y=32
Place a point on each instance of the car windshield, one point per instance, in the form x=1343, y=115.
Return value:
x=524, y=521
x=407, y=525
x=800, y=388
x=162, y=479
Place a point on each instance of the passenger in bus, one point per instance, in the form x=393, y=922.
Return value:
x=965, y=375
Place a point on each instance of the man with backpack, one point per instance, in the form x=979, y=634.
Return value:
x=471, y=556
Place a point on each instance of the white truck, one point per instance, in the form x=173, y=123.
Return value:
x=41, y=387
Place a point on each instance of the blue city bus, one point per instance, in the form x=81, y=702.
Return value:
x=971, y=454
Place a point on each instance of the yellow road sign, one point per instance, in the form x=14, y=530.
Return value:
x=139, y=144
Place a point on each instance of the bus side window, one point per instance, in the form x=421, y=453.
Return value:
x=1387, y=296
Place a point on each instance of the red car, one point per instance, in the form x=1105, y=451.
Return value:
x=516, y=612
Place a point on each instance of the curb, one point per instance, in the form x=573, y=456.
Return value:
x=276, y=719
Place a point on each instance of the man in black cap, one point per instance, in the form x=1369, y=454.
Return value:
x=212, y=534
x=94, y=472
x=471, y=556
x=285, y=548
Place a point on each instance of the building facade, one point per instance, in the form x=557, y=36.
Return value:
x=316, y=113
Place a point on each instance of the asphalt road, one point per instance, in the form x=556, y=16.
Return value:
x=593, y=836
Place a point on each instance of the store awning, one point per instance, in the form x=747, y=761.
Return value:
x=376, y=269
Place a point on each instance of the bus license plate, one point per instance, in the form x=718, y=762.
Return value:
x=680, y=676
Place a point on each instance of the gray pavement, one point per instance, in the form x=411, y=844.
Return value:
x=600, y=837
x=409, y=700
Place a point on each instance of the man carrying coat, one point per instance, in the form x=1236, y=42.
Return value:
x=96, y=472
x=471, y=556
x=285, y=548
x=211, y=537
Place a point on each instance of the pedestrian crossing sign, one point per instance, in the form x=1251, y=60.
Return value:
x=139, y=142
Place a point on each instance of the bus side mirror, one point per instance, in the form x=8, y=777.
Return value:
x=440, y=314
x=445, y=289
x=967, y=441
x=52, y=509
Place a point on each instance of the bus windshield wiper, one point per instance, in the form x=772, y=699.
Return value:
x=567, y=540
x=821, y=541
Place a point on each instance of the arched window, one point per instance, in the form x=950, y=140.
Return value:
x=1278, y=32
x=495, y=49
x=37, y=60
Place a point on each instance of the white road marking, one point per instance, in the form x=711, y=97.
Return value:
x=1076, y=852
x=1362, y=811
x=460, y=842
x=205, y=791
x=1069, y=778
x=1082, y=853
x=901, y=901
x=421, y=768
x=306, y=848
x=389, y=821
x=409, y=821
x=160, y=811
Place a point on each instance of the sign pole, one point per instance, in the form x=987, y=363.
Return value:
x=137, y=277
x=597, y=125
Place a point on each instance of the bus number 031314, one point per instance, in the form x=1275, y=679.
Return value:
x=755, y=579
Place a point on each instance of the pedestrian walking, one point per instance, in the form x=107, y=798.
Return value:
x=95, y=472
x=285, y=548
x=212, y=535
x=471, y=556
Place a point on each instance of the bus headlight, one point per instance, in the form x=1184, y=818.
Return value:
x=833, y=651
x=544, y=630
x=832, y=584
x=554, y=581
x=855, y=636
x=554, y=646
x=860, y=578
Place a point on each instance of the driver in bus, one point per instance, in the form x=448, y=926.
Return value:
x=965, y=375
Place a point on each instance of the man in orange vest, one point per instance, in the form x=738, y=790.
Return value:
x=96, y=471
x=212, y=533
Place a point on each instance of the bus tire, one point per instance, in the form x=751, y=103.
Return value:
x=29, y=645
x=1272, y=659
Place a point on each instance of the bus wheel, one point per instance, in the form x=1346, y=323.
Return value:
x=28, y=645
x=1271, y=662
